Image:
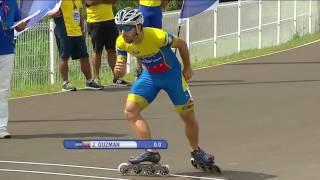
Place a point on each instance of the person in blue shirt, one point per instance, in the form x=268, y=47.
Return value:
x=9, y=14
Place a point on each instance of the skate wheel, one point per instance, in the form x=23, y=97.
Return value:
x=194, y=163
x=164, y=170
x=137, y=170
x=150, y=171
x=214, y=169
x=123, y=168
x=203, y=167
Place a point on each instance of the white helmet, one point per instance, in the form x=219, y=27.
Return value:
x=129, y=16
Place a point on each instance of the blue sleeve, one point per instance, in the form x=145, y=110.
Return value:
x=121, y=52
x=168, y=40
x=17, y=13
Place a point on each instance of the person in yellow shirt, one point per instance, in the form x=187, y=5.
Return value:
x=103, y=33
x=162, y=71
x=71, y=42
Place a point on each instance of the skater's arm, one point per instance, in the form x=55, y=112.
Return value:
x=120, y=68
x=185, y=56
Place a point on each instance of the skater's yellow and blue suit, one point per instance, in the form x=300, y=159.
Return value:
x=162, y=69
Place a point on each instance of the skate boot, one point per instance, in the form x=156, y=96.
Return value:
x=204, y=161
x=145, y=164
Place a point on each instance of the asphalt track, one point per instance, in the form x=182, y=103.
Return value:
x=259, y=117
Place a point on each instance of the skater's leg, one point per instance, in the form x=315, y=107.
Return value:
x=133, y=114
x=141, y=129
x=191, y=128
x=141, y=94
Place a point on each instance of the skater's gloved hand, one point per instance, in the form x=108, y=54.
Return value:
x=187, y=73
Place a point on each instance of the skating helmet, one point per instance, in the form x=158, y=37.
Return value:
x=129, y=16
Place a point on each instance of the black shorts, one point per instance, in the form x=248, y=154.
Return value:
x=103, y=34
x=72, y=46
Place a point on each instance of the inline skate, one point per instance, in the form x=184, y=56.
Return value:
x=204, y=161
x=145, y=164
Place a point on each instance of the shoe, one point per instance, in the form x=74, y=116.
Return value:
x=4, y=134
x=202, y=157
x=146, y=156
x=94, y=84
x=202, y=160
x=98, y=82
x=68, y=87
x=120, y=82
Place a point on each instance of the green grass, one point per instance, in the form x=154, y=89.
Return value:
x=107, y=77
x=249, y=54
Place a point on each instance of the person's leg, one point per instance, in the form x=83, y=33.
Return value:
x=64, y=47
x=97, y=40
x=141, y=94
x=111, y=29
x=134, y=105
x=137, y=122
x=191, y=128
x=85, y=68
x=6, y=71
x=156, y=18
x=79, y=51
x=96, y=63
x=64, y=69
x=146, y=12
x=112, y=57
x=180, y=95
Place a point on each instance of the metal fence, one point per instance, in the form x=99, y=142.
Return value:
x=232, y=28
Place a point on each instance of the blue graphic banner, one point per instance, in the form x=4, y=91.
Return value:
x=193, y=7
x=34, y=11
x=115, y=144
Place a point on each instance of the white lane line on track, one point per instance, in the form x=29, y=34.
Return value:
x=195, y=177
x=245, y=59
x=59, y=165
x=59, y=174
x=89, y=167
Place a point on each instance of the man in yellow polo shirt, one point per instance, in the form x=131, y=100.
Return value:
x=103, y=33
x=71, y=42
